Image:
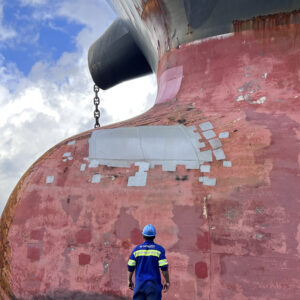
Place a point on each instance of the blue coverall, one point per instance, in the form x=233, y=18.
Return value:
x=146, y=259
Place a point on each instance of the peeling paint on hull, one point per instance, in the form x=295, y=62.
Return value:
x=236, y=240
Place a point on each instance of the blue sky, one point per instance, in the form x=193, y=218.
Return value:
x=45, y=86
x=43, y=39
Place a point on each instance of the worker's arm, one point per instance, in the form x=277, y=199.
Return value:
x=163, y=264
x=130, y=282
x=131, y=267
x=167, y=279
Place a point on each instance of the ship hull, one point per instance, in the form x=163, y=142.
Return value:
x=231, y=231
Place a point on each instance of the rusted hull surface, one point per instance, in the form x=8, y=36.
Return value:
x=161, y=25
x=236, y=240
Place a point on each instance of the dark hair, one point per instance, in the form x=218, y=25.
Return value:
x=149, y=238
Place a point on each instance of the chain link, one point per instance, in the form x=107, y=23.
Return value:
x=96, y=102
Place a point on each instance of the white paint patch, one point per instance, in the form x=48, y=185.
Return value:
x=192, y=165
x=224, y=135
x=96, y=178
x=219, y=154
x=259, y=236
x=204, y=208
x=196, y=135
x=206, y=126
x=143, y=166
x=227, y=164
x=209, y=181
x=117, y=164
x=157, y=145
x=215, y=143
x=206, y=156
x=265, y=76
x=192, y=129
x=67, y=154
x=140, y=177
x=49, y=179
x=169, y=166
x=93, y=164
x=149, y=146
x=71, y=143
x=240, y=98
x=261, y=100
x=209, y=134
x=205, y=168
x=216, y=37
x=82, y=167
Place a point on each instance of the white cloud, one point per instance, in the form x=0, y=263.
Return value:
x=92, y=13
x=131, y=98
x=55, y=100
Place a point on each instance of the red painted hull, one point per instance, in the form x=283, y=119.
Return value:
x=237, y=240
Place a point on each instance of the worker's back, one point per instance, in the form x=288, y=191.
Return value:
x=146, y=259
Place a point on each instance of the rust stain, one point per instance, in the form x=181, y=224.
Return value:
x=152, y=13
x=5, y=223
x=189, y=32
x=138, y=9
x=268, y=22
x=7, y=219
x=150, y=7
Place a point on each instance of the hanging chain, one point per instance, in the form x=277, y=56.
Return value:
x=96, y=102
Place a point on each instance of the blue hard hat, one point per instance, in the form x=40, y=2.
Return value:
x=149, y=231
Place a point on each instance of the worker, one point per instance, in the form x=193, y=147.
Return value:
x=146, y=259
